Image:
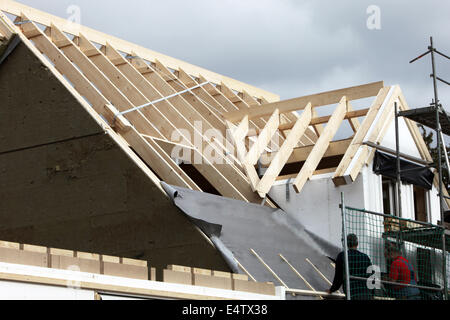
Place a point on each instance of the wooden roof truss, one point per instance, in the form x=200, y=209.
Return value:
x=354, y=151
x=116, y=79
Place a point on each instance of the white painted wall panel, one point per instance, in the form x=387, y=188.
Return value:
x=317, y=206
x=373, y=190
x=24, y=291
x=407, y=144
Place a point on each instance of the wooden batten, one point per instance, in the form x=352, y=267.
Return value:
x=321, y=146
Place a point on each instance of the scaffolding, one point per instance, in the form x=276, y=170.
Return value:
x=436, y=118
x=381, y=241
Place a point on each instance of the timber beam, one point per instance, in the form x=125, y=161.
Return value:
x=317, y=100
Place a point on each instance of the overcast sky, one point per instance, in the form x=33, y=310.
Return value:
x=289, y=47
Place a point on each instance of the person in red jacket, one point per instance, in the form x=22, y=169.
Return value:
x=401, y=272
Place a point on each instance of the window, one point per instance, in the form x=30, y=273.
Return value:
x=420, y=204
x=389, y=205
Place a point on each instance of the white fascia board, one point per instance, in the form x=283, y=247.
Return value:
x=72, y=278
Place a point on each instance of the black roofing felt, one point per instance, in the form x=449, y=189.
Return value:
x=236, y=227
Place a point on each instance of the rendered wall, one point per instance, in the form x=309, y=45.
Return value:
x=317, y=206
x=64, y=183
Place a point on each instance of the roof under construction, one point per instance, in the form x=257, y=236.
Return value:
x=171, y=129
x=147, y=98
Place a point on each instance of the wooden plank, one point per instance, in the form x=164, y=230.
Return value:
x=62, y=66
x=377, y=133
x=238, y=136
x=354, y=122
x=316, y=173
x=65, y=67
x=73, y=74
x=320, y=99
x=225, y=177
x=300, y=154
x=201, y=92
x=318, y=128
x=206, y=111
x=183, y=115
x=321, y=146
x=252, y=102
x=247, y=98
x=350, y=115
x=5, y=29
x=277, y=140
x=298, y=274
x=268, y=268
x=285, y=152
x=119, y=80
x=101, y=82
x=154, y=155
x=263, y=139
x=358, y=139
x=46, y=19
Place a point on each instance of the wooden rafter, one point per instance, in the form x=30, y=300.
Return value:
x=207, y=112
x=318, y=128
x=98, y=102
x=285, y=152
x=152, y=153
x=238, y=135
x=277, y=139
x=321, y=146
x=288, y=119
x=376, y=134
x=254, y=125
x=263, y=139
x=113, y=84
x=358, y=139
x=103, y=84
x=353, y=121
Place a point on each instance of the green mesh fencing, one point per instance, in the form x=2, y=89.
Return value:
x=394, y=258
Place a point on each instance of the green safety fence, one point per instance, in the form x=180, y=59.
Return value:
x=393, y=258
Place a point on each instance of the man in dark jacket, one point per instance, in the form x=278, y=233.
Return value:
x=359, y=264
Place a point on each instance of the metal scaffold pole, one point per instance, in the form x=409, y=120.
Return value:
x=344, y=240
x=399, y=181
x=437, y=107
x=439, y=142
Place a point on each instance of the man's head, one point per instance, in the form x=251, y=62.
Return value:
x=352, y=241
x=392, y=250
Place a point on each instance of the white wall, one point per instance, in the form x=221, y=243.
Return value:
x=317, y=206
x=407, y=144
x=373, y=190
x=10, y=290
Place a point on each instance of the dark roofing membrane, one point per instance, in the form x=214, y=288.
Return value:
x=236, y=227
